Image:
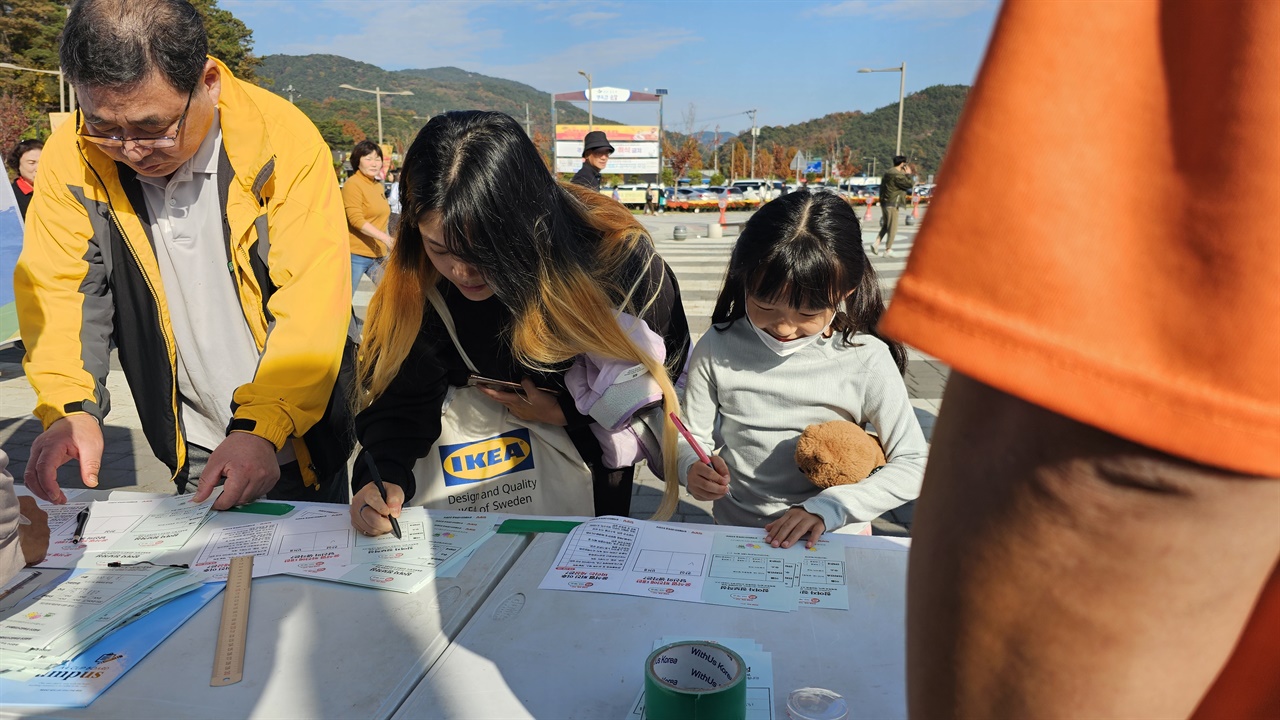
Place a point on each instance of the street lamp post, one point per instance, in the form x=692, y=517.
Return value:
x=379, y=92
x=902, y=87
x=590, y=115
x=754, y=132
x=62, y=92
x=662, y=160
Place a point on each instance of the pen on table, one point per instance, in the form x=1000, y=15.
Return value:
x=688, y=436
x=82, y=519
x=382, y=490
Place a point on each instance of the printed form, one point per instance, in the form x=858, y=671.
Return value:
x=698, y=564
x=633, y=557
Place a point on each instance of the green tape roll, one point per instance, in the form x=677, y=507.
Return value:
x=695, y=681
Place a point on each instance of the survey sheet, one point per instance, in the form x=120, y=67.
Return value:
x=698, y=563
x=633, y=557
x=746, y=571
x=131, y=530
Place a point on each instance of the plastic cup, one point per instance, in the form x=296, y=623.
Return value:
x=816, y=704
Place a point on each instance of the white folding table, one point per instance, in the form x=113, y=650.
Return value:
x=315, y=649
x=555, y=654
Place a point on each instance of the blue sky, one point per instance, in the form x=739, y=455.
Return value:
x=791, y=60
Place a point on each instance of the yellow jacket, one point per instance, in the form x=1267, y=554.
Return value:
x=365, y=203
x=88, y=273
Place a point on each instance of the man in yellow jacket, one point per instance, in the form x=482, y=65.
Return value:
x=194, y=220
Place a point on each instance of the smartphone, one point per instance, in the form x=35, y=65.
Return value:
x=503, y=385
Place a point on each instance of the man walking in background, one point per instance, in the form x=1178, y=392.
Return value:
x=194, y=220
x=894, y=186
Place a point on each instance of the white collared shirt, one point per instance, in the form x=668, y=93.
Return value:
x=216, y=350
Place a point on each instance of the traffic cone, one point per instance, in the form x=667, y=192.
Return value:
x=867, y=215
x=915, y=209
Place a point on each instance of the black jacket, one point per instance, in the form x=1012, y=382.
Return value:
x=24, y=199
x=588, y=177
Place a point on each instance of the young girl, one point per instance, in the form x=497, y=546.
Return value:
x=793, y=343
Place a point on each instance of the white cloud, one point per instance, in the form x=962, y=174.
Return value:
x=591, y=17
x=550, y=72
x=902, y=9
x=580, y=13
x=398, y=35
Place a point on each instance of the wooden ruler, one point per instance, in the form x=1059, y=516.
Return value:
x=228, y=659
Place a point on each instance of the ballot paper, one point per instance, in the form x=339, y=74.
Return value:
x=430, y=546
x=138, y=529
x=698, y=564
x=79, y=611
x=633, y=557
x=218, y=546
x=746, y=571
x=759, y=675
x=427, y=540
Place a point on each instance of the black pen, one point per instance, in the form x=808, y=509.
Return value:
x=82, y=519
x=382, y=489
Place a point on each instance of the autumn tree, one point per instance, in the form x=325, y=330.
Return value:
x=782, y=157
x=29, y=38
x=351, y=130
x=763, y=165
x=14, y=121
x=847, y=162
x=542, y=141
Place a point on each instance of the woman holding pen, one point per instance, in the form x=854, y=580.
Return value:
x=533, y=273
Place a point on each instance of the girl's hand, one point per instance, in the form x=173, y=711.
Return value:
x=708, y=483
x=368, y=511
x=534, y=406
x=795, y=524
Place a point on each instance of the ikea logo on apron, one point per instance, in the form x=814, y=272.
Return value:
x=486, y=459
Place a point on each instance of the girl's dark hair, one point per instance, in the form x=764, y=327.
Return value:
x=804, y=249
x=15, y=155
x=362, y=148
x=500, y=208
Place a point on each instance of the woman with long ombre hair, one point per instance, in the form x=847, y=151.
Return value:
x=534, y=273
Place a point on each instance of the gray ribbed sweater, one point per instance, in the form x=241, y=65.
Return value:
x=751, y=405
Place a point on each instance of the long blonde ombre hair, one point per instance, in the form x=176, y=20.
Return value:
x=564, y=260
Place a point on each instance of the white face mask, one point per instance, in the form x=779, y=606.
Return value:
x=783, y=349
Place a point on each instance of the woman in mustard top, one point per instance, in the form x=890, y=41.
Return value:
x=367, y=212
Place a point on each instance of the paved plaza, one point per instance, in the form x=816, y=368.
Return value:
x=699, y=263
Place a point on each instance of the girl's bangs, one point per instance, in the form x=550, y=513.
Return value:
x=800, y=277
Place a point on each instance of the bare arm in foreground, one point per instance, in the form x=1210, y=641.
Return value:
x=1059, y=571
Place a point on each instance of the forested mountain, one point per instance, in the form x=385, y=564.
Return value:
x=342, y=114
x=929, y=118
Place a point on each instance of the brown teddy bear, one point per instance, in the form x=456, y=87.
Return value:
x=837, y=453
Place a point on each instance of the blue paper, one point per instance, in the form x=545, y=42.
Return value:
x=80, y=681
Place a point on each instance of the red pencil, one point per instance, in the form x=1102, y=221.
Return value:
x=688, y=436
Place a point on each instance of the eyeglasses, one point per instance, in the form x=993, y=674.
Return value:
x=150, y=143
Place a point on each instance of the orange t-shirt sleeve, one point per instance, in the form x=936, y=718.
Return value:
x=1104, y=241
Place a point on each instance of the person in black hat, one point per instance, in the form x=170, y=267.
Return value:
x=595, y=155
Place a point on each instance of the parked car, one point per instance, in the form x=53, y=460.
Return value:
x=750, y=184
x=695, y=194
x=734, y=192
